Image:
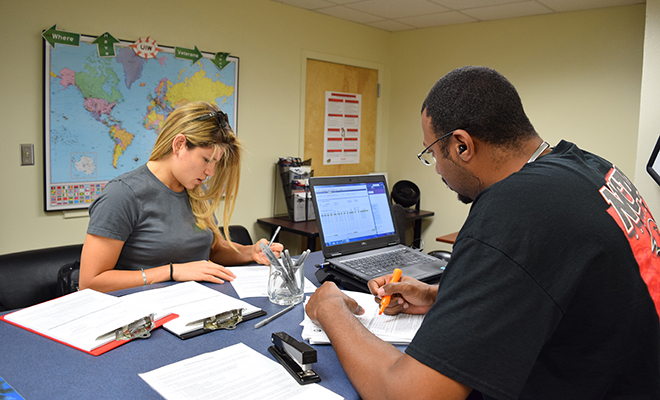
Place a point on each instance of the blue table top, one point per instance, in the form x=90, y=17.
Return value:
x=40, y=368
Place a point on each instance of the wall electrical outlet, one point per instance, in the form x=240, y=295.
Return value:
x=27, y=154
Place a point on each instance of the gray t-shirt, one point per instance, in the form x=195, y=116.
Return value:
x=155, y=223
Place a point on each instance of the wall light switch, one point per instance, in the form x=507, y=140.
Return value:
x=27, y=154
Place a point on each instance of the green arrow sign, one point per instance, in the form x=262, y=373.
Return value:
x=54, y=36
x=106, y=45
x=193, y=55
x=220, y=60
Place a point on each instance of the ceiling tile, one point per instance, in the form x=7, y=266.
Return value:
x=308, y=4
x=349, y=14
x=465, y=4
x=344, y=2
x=511, y=10
x=439, y=19
x=397, y=15
x=574, y=5
x=397, y=8
x=391, y=25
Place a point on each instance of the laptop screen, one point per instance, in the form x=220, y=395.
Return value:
x=353, y=212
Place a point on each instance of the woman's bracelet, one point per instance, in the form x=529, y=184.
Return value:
x=171, y=272
x=144, y=276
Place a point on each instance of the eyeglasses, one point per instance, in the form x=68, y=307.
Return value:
x=223, y=120
x=427, y=158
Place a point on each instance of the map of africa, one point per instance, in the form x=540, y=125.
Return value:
x=103, y=113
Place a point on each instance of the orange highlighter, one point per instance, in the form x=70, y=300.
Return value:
x=385, y=301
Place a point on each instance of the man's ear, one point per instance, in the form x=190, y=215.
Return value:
x=464, y=145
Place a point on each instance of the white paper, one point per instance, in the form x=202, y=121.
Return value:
x=253, y=281
x=341, y=141
x=395, y=329
x=235, y=372
x=191, y=301
x=81, y=317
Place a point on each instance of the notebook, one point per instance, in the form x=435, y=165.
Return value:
x=355, y=222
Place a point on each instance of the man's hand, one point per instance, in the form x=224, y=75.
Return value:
x=325, y=298
x=409, y=295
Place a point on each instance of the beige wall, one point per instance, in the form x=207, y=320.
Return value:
x=269, y=38
x=649, y=117
x=579, y=75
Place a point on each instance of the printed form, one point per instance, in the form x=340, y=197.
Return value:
x=235, y=372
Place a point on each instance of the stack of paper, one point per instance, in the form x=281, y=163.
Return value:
x=235, y=372
x=83, y=319
x=87, y=319
x=395, y=329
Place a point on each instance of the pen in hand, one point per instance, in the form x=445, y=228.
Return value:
x=385, y=301
x=274, y=235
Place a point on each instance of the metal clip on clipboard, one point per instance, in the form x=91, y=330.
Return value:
x=297, y=357
x=225, y=320
x=140, y=328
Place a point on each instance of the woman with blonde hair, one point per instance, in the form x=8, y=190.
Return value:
x=157, y=223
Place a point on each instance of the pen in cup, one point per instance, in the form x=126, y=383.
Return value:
x=268, y=252
x=385, y=301
x=301, y=260
x=282, y=267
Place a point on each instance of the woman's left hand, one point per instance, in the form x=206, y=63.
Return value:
x=259, y=256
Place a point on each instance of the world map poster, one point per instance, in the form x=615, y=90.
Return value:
x=105, y=101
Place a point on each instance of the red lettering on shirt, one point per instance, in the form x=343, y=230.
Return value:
x=629, y=210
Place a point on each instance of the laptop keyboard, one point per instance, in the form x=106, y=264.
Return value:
x=385, y=262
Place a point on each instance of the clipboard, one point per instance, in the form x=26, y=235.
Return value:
x=195, y=303
x=201, y=331
x=99, y=350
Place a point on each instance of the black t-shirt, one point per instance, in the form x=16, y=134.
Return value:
x=543, y=297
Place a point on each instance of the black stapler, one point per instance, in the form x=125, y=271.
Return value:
x=297, y=357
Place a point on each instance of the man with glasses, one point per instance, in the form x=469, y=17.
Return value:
x=550, y=290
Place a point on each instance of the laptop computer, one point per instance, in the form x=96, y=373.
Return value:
x=355, y=222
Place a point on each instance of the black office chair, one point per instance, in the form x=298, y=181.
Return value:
x=30, y=277
x=238, y=234
x=441, y=254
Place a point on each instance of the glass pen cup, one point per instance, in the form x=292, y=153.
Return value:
x=286, y=286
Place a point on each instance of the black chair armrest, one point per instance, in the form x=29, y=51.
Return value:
x=30, y=277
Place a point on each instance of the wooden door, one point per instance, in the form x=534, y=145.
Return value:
x=325, y=76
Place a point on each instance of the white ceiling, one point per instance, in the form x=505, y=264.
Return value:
x=400, y=15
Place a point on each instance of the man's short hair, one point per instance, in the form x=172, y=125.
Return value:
x=480, y=101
